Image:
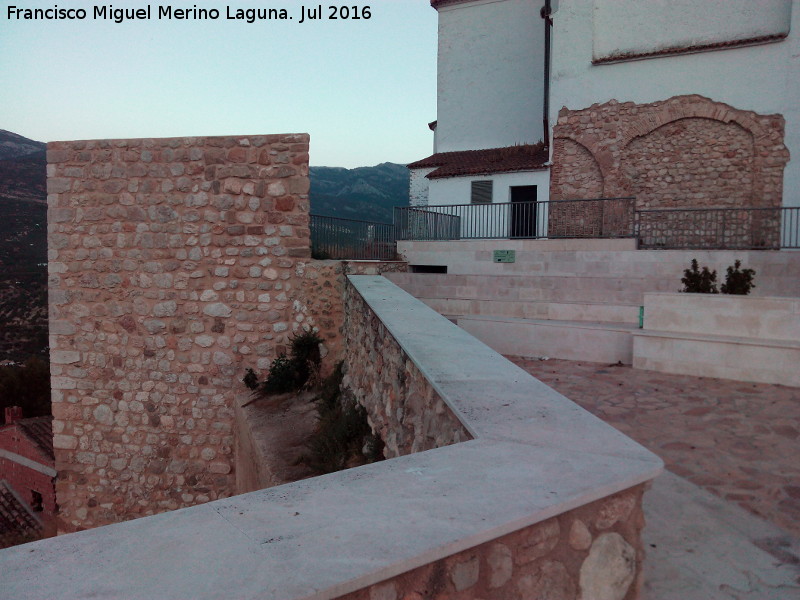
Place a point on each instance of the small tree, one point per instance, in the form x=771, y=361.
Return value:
x=738, y=281
x=696, y=281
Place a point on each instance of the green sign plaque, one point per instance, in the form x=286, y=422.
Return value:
x=505, y=256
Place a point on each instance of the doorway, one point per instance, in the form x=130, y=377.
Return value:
x=523, y=211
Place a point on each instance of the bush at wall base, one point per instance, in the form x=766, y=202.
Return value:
x=702, y=281
x=696, y=281
x=738, y=281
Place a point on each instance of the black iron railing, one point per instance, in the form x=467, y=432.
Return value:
x=692, y=228
x=415, y=223
x=592, y=218
x=335, y=238
x=719, y=228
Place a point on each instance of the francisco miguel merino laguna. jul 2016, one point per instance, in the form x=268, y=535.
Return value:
x=162, y=12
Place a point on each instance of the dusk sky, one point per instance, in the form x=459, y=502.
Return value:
x=364, y=89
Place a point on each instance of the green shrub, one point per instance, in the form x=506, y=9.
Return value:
x=738, y=281
x=289, y=374
x=343, y=437
x=250, y=379
x=282, y=377
x=696, y=281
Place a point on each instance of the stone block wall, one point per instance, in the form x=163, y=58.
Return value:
x=320, y=296
x=173, y=265
x=591, y=553
x=402, y=406
x=684, y=152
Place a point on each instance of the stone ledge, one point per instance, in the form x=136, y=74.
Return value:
x=718, y=339
x=536, y=455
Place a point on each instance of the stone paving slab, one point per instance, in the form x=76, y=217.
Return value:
x=700, y=547
x=740, y=441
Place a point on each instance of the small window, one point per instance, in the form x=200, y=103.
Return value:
x=481, y=192
x=37, y=503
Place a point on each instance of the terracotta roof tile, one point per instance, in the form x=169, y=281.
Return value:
x=39, y=430
x=16, y=519
x=527, y=157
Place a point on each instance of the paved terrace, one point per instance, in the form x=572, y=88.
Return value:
x=739, y=440
x=734, y=443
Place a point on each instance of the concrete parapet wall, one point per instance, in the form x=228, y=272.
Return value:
x=173, y=264
x=733, y=337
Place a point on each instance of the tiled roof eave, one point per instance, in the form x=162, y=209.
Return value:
x=690, y=49
x=434, y=175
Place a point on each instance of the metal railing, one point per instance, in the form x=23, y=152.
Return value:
x=691, y=228
x=719, y=228
x=336, y=238
x=416, y=223
x=591, y=218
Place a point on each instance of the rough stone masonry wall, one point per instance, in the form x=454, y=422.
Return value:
x=173, y=263
x=321, y=297
x=402, y=406
x=589, y=553
x=685, y=152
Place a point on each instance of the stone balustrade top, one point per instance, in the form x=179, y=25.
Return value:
x=534, y=455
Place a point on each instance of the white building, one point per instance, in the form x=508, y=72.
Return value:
x=680, y=103
x=490, y=95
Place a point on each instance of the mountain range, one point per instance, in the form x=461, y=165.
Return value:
x=364, y=193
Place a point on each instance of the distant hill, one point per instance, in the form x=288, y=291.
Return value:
x=13, y=145
x=364, y=193
x=23, y=168
x=23, y=247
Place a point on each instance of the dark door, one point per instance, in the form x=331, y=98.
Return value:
x=523, y=211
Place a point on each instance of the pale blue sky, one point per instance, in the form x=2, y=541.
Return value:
x=365, y=90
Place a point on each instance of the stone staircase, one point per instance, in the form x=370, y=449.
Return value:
x=571, y=299
x=569, y=312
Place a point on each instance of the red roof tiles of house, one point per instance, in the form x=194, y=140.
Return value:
x=16, y=519
x=528, y=157
x=39, y=430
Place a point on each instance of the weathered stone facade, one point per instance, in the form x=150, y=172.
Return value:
x=173, y=265
x=402, y=406
x=591, y=553
x=685, y=152
x=320, y=296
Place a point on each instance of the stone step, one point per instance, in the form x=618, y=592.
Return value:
x=625, y=291
x=571, y=340
x=566, y=311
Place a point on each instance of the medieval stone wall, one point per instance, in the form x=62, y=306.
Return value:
x=320, y=297
x=685, y=152
x=402, y=406
x=173, y=264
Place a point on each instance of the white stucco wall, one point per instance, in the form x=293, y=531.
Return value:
x=764, y=79
x=485, y=221
x=633, y=26
x=418, y=187
x=457, y=190
x=490, y=74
